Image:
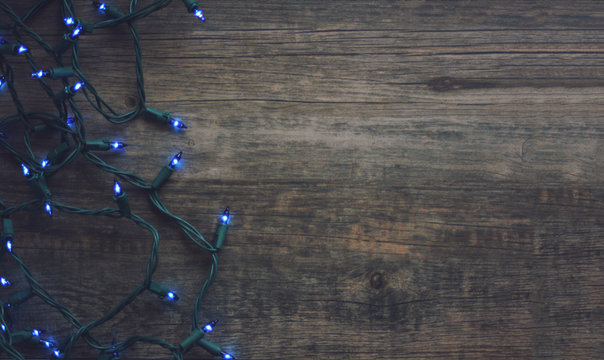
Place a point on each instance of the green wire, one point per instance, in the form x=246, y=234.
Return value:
x=74, y=136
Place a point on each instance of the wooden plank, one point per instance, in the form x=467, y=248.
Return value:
x=409, y=180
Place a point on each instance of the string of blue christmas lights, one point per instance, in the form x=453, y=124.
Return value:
x=69, y=122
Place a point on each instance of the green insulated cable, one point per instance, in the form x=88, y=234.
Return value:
x=62, y=83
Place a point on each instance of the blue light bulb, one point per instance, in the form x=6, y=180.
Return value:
x=69, y=21
x=35, y=332
x=224, y=218
x=199, y=14
x=48, y=209
x=2, y=81
x=9, y=245
x=171, y=295
x=26, y=172
x=4, y=282
x=117, y=145
x=177, y=124
x=3, y=327
x=46, y=343
x=175, y=160
x=77, y=86
x=57, y=353
x=39, y=74
x=227, y=356
x=102, y=7
x=44, y=163
x=209, y=327
x=22, y=49
x=117, y=188
x=76, y=31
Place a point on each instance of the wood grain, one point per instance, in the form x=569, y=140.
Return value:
x=408, y=180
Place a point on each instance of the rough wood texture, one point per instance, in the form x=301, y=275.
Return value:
x=409, y=180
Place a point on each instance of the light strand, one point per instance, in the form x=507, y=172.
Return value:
x=69, y=122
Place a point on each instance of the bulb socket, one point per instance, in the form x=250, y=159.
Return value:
x=191, y=5
x=194, y=337
x=19, y=298
x=210, y=347
x=56, y=155
x=65, y=43
x=122, y=202
x=161, y=178
x=158, y=115
x=221, y=231
x=7, y=229
x=9, y=49
x=98, y=145
x=60, y=72
x=38, y=184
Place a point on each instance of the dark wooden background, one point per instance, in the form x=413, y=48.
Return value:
x=408, y=180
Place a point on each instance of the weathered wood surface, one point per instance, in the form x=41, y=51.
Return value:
x=409, y=180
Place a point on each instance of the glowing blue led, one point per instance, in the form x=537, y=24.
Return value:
x=9, y=245
x=209, y=327
x=22, y=49
x=44, y=163
x=35, y=332
x=227, y=356
x=57, y=353
x=171, y=295
x=199, y=14
x=2, y=81
x=224, y=218
x=69, y=21
x=26, y=172
x=76, y=31
x=77, y=86
x=3, y=327
x=117, y=188
x=177, y=124
x=117, y=145
x=175, y=160
x=4, y=282
x=39, y=74
x=102, y=7
x=116, y=354
x=48, y=209
x=46, y=343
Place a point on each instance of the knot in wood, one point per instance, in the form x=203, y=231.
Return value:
x=377, y=280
